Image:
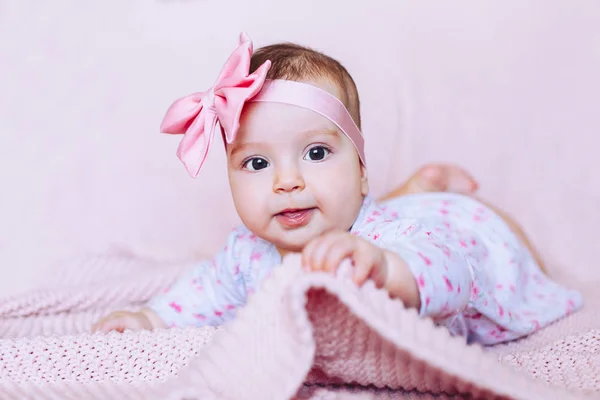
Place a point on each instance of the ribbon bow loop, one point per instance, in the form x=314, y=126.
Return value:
x=196, y=115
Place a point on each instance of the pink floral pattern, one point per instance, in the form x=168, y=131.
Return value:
x=474, y=276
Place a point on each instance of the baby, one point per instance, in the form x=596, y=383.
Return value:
x=298, y=175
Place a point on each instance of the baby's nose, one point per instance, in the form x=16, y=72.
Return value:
x=288, y=180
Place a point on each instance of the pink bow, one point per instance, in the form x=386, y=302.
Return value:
x=196, y=116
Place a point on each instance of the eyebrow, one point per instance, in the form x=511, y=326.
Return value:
x=328, y=132
x=308, y=134
x=240, y=147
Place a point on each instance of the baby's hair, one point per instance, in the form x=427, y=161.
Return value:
x=294, y=62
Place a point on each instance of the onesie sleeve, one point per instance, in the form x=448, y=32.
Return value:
x=208, y=294
x=437, y=261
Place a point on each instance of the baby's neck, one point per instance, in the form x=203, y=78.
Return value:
x=283, y=252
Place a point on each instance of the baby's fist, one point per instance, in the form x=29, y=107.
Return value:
x=326, y=252
x=122, y=320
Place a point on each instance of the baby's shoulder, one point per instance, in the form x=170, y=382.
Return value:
x=373, y=215
x=241, y=241
x=423, y=206
x=406, y=214
x=239, y=236
x=410, y=215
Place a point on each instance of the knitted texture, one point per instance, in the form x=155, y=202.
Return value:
x=308, y=336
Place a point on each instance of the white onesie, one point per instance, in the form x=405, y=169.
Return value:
x=473, y=274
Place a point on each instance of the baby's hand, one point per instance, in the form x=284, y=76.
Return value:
x=387, y=269
x=326, y=252
x=122, y=320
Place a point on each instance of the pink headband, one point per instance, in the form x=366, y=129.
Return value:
x=196, y=116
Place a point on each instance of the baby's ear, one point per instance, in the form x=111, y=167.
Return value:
x=364, y=181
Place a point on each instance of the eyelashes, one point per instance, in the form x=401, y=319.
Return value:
x=315, y=153
x=255, y=164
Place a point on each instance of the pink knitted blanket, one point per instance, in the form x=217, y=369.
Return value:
x=301, y=336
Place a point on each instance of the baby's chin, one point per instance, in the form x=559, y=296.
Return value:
x=294, y=241
x=288, y=245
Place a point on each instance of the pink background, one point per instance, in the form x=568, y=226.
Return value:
x=508, y=89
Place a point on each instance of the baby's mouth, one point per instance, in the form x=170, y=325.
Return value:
x=295, y=218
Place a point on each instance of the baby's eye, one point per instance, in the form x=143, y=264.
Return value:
x=317, y=153
x=256, y=164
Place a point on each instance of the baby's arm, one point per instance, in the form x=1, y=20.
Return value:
x=208, y=294
x=438, y=264
x=489, y=296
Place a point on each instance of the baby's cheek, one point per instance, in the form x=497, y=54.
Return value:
x=249, y=205
x=254, y=220
x=251, y=191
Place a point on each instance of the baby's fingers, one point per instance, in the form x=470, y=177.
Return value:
x=365, y=260
x=110, y=324
x=343, y=248
x=118, y=321
x=315, y=253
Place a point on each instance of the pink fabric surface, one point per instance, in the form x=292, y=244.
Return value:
x=304, y=335
x=508, y=89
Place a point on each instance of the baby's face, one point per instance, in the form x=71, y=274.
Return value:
x=293, y=174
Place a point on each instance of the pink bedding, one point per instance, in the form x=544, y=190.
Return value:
x=309, y=336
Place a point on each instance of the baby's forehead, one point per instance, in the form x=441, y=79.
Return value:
x=271, y=122
x=286, y=131
x=289, y=133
